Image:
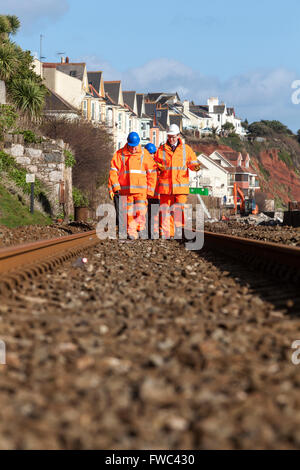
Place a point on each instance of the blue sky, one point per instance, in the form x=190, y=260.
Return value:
x=246, y=54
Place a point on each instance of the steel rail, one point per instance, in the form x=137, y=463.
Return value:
x=23, y=262
x=283, y=254
x=283, y=260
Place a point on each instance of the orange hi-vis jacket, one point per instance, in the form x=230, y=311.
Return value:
x=132, y=173
x=175, y=178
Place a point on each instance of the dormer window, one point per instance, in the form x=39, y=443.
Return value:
x=73, y=73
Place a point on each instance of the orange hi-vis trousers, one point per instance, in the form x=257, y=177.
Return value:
x=136, y=212
x=171, y=220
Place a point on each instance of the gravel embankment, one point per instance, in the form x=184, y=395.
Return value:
x=31, y=233
x=276, y=234
x=148, y=346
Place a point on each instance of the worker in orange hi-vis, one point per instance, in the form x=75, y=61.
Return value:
x=133, y=174
x=153, y=202
x=174, y=159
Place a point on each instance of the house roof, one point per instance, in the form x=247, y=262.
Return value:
x=94, y=78
x=113, y=89
x=223, y=168
x=150, y=109
x=198, y=107
x=75, y=70
x=54, y=102
x=109, y=100
x=163, y=117
x=161, y=97
x=219, y=109
x=176, y=120
x=93, y=92
x=153, y=96
x=239, y=169
x=223, y=156
x=161, y=127
x=230, y=155
x=126, y=106
x=129, y=98
x=139, y=102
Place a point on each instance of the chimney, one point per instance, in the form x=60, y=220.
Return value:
x=186, y=106
x=62, y=60
x=67, y=60
x=211, y=103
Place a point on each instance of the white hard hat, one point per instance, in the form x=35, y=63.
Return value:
x=173, y=130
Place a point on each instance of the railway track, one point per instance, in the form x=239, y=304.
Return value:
x=21, y=263
x=281, y=261
x=174, y=351
x=147, y=345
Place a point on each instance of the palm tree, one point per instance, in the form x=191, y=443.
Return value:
x=28, y=96
x=9, y=24
x=14, y=23
x=9, y=60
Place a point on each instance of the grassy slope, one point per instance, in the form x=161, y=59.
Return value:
x=14, y=214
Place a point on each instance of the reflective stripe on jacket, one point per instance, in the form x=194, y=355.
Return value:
x=132, y=173
x=175, y=178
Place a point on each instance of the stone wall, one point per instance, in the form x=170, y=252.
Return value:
x=47, y=162
x=2, y=92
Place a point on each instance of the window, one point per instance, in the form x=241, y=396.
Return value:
x=158, y=113
x=73, y=73
x=230, y=179
x=84, y=108
x=241, y=177
x=120, y=121
x=130, y=125
x=219, y=117
x=109, y=116
x=154, y=138
x=93, y=111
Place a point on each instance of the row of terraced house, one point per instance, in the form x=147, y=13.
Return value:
x=76, y=92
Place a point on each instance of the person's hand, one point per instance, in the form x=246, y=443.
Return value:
x=197, y=167
x=161, y=166
x=111, y=195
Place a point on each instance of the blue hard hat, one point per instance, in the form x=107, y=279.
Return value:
x=151, y=148
x=133, y=139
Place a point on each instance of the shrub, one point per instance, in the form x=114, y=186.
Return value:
x=286, y=158
x=79, y=199
x=264, y=171
x=93, y=148
x=266, y=128
x=18, y=174
x=30, y=137
x=228, y=126
x=28, y=96
x=8, y=117
x=69, y=159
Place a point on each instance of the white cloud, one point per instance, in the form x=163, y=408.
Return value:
x=95, y=64
x=33, y=13
x=258, y=94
